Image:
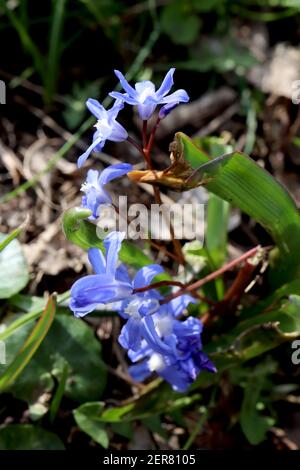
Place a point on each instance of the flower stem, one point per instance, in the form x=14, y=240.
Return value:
x=211, y=276
x=147, y=154
x=135, y=144
x=145, y=125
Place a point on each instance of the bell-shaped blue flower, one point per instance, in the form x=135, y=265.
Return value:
x=146, y=98
x=107, y=285
x=107, y=128
x=176, y=355
x=134, y=308
x=111, y=283
x=94, y=186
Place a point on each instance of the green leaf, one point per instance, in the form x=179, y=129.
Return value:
x=159, y=400
x=30, y=346
x=87, y=417
x=237, y=179
x=253, y=424
x=70, y=341
x=84, y=234
x=28, y=437
x=59, y=392
x=257, y=335
x=13, y=268
x=216, y=229
x=180, y=24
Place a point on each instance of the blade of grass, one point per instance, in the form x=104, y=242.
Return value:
x=25, y=38
x=59, y=393
x=55, y=48
x=28, y=317
x=30, y=346
x=14, y=234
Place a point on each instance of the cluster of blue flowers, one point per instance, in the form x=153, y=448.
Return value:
x=156, y=340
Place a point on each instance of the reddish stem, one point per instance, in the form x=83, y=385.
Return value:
x=152, y=135
x=135, y=144
x=211, y=276
x=156, y=285
x=145, y=138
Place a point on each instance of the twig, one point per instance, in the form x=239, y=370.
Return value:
x=211, y=276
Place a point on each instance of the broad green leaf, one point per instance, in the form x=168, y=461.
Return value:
x=28, y=437
x=237, y=179
x=70, y=341
x=30, y=346
x=87, y=417
x=13, y=269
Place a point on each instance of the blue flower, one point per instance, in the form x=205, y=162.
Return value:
x=109, y=284
x=146, y=98
x=137, y=306
x=107, y=127
x=93, y=187
x=176, y=355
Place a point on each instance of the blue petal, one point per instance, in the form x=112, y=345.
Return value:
x=130, y=336
x=179, y=381
x=118, y=133
x=124, y=97
x=96, y=108
x=140, y=372
x=114, y=171
x=177, y=305
x=179, y=96
x=122, y=274
x=152, y=338
x=143, y=352
x=81, y=311
x=167, y=84
x=112, y=244
x=113, y=112
x=95, y=289
x=146, y=110
x=145, y=275
x=144, y=85
x=128, y=88
x=203, y=362
x=190, y=327
x=97, y=260
x=86, y=154
x=166, y=110
x=92, y=177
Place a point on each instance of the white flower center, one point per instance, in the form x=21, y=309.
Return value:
x=86, y=187
x=104, y=128
x=148, y=91
x=132, y=309
x=156, y=362
x=163, y=324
